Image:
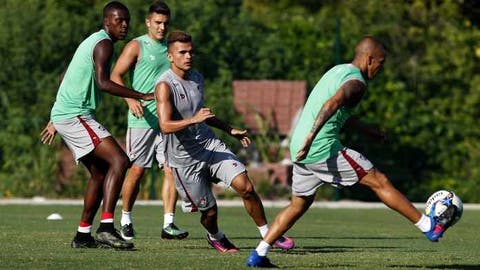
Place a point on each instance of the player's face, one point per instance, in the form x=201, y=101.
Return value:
x=157, y=25
x=377, y=61
x=117, y=23
x=181, y=55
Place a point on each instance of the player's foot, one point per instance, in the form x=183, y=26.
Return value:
x=84, y=242
x=111, y=239
x=255, y=260
x=173, y=232
x=222, y=245
x=440, y=224
x=127, y=232
x=284, y=243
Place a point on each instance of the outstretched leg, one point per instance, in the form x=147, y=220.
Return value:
x=394, y=199
x=389, y=195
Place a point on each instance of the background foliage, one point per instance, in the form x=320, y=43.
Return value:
x=426, y=99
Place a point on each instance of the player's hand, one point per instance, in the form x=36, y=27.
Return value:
x=147, y=97
x=302, y=153
x=136, y=107
x=48, y=134
x=202, y=115
x=241, y=135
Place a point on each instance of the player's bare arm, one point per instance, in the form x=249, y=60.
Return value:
x=349, y=94
x=237, y=133
x=126, y=61
x=102, y=54
x=164, y=111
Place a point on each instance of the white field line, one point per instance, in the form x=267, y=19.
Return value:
x=225, y=203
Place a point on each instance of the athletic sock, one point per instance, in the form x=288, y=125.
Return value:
x=263, y=230
x=106, y=223
x=424, y=224
x=126, y=218
x=168, y=219
x=84, y=227
x=263, y=248
x=217, y=236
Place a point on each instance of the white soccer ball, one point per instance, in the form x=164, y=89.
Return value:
x=439, y=201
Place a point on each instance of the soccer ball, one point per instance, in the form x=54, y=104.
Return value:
x=438, y=204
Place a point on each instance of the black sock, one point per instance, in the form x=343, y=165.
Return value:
x=106, y=227
x=83, y=236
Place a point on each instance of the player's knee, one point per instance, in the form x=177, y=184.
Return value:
x=378, y=181
x=121, y=163
x=247, y=191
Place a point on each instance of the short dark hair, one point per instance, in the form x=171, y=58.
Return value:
x=113, y=5
x=159, y=7
x=178, y=36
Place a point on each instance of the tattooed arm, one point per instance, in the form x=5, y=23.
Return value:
x=349, y=94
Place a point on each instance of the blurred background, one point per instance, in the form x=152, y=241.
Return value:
x=426, y=99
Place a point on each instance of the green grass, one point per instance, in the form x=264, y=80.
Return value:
x=325, y=238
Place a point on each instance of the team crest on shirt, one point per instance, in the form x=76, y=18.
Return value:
x=202, y=203
x=182, y=96
x=152, y=57
x=235, y=164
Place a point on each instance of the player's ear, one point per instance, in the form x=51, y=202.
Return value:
x=170, y=57
x=147, y=22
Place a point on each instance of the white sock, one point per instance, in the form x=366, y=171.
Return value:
x=86, y=229
x=219, y=235
x=168, y=219
x=424, y=224
x=263, y=248
x=263, y=230
x=126, y=218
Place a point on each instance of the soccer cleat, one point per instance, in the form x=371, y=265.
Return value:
x=441, y=223
x=435, y=232
x=88, y=242
x=127, y=232
x=255, y=260
x=285, y=243
x=173, y=232
x=112, y=240
x=222, y=245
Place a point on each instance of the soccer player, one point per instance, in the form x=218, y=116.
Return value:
x=319, y=157
x=197, y=158
x=73, y=116
x=146, y=58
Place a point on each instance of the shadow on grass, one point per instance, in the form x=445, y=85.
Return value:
x=443, y=266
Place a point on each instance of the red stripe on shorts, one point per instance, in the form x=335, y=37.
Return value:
x=358, y=170
x=194, y=206
x=95, y=139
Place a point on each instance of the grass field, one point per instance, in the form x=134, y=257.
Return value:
x=325, y=238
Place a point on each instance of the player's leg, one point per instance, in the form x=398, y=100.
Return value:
x=140, y=148
x=91, y=202
x=394, y=199
x=130, y=189
x=169, y=197
x=389, y=195
x=282, y=223
x=353, y=167
x=251, y=201
x=215, y=237
x=112, y=154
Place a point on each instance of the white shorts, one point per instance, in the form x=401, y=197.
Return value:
x=345, y=168
x=143, y=144
x=81, y=134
